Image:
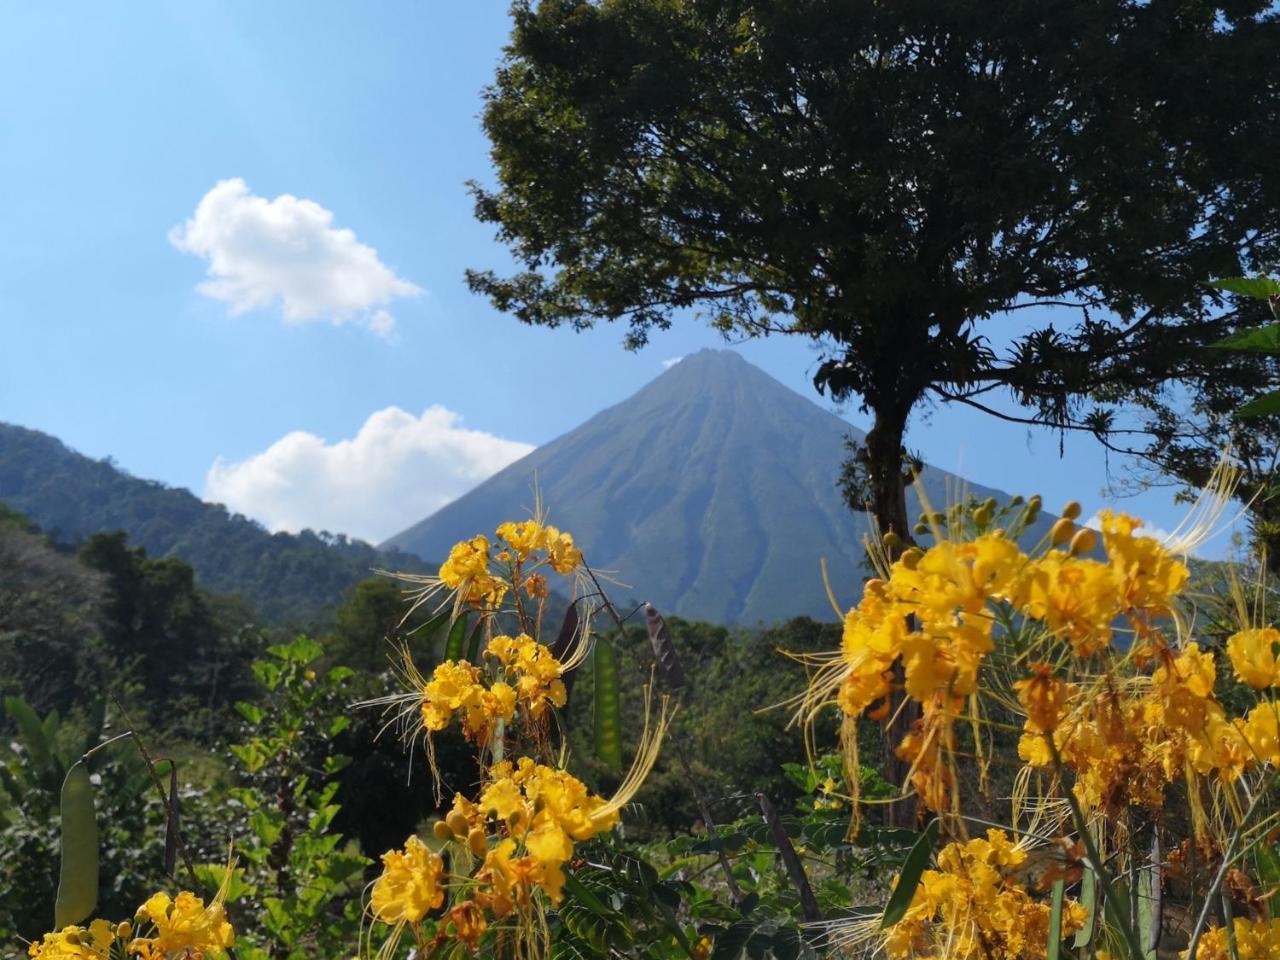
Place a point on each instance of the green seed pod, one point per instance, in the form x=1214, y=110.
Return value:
x=78, y=876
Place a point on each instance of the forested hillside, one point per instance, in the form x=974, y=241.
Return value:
x=283, y=576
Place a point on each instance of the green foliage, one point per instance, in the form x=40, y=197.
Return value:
x=1233, y=403
x=129, y=820
x=300, y=880
x=286, y=577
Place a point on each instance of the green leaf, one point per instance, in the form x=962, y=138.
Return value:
x=574, y=887
x=28, y=724
x=1255, y=340
x=1256, y=288
x=473, y=649
x=1089, y=900
x=1263, y=406
x=1268, y=864
x=1053, y=949
x=909, y=876
x=78, y=874
x=608, y=710
x=457, y=638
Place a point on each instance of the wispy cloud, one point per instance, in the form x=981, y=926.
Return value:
x=397, y=469
x=287, y=251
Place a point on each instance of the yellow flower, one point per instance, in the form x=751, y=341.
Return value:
x=1261, y=731
x=563, y=556
x=467, y=571
x=75, y=943
x=524, y=538
x=1253, y=657
x=185, y=926
x=1255, y=940
x=973, y=906
x=1076, y=598
x=1045, y=698
x=1150, y=575
x=409, y=887
x=453, y=685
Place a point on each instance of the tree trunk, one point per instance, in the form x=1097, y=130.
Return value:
x=887, y=479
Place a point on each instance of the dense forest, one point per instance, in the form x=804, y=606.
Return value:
x=286, y=577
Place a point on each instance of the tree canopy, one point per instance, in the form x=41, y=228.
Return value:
x=884, y=177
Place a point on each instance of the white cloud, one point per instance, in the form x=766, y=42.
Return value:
x=670, y=362
x=262, y=252
x=397, y=469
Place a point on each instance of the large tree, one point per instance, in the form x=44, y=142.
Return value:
x=884, y=177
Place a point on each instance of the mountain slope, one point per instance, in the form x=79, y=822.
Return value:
x=712, y=491
x=284, y=576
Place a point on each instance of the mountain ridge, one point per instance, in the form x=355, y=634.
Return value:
x=712, y=490
x=283, y=576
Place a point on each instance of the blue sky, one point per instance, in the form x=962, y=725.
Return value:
x=115, y=122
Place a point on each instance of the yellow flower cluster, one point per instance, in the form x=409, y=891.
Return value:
x=467, y=568
x=176, y=929
x=535, y=671
x=935, y=612
x=547, y=809
x=501, y=851
x=530, y=676
x=973, y=907
x=1126, y=743
x=525, y=538
x=455, y=687
x=467, y=571
x=1255, y=940
x=409, y=886
x=1253, y=657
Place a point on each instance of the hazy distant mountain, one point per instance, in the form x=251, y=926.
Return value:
x=711, y=491
x=282, y=575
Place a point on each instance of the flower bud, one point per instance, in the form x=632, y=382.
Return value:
x=982, y=516
x=1072, y=510
x=71, y=938
x=442, y=830
x=124, y=930
x=457, y=823
x=920, y=529
x=911, y=558
x=891, y=540
x=1061, y=532
x=1084, y=541
x=478, y=841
